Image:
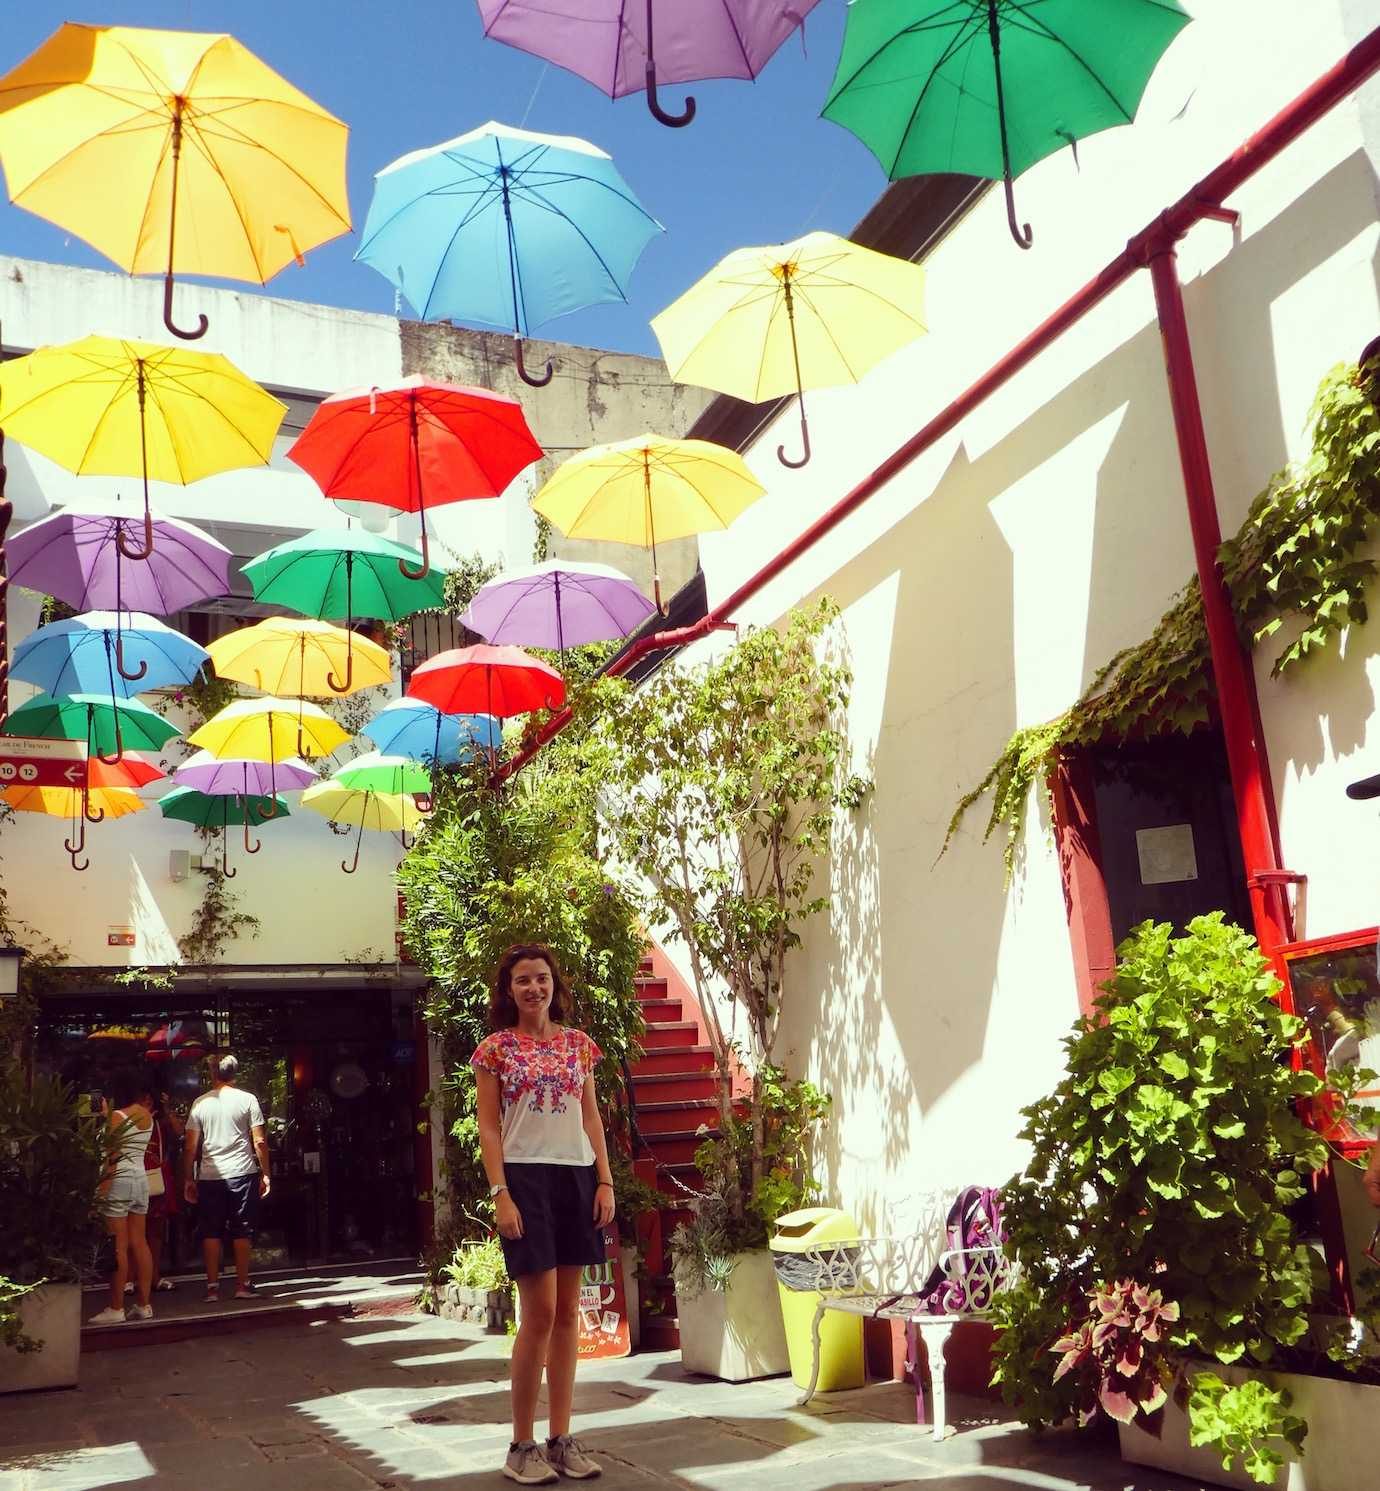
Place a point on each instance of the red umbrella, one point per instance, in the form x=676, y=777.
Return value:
x=129, y=771
x=414, y=445
x=177, y=1040
x=500, y=681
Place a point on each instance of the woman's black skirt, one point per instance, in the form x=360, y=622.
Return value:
x=556, y=1203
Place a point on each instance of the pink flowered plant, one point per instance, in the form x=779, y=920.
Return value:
x=1121, y=1354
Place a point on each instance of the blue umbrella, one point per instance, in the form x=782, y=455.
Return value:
x=421, y=732
x=120, y=653
x=505, y=227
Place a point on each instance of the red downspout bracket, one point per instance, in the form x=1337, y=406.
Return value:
x=1261, y=879
x=1220, y=214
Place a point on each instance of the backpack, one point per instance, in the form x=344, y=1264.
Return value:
x=964, y=1282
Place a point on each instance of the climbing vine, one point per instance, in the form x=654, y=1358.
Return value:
x=1294, y=577
x=216, y=921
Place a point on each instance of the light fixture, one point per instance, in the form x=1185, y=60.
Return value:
x=10, y=959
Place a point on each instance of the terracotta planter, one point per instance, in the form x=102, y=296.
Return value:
x=736, y=1335
x=1339, y=1453
x=51, y=1315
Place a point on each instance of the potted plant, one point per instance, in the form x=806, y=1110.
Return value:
x=1164, y=1281
x=719, y=785
x=52, y=1156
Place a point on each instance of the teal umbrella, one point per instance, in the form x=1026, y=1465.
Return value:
x=989, y=87
x=107, y=724
x=341, y=574
x=222, y=810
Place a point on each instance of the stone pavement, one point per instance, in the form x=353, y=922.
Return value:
x=410, y=1403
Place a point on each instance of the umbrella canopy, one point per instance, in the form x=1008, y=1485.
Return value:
x=813, y=313
x=129, y=772
x=344, y=574
x=421, y=732
x=500, y=681
x=414, y=445
x=223, y=811
x=77, y=555
x=270, y=730
x=105, y=650
x=66, y=802
x=210, y=774
x=107, y=407
x=378, y=812
x=291, y=655
x=557, y=605
x=622, y=47
x=505, y=227
x=107, y=725
x=636, y=491
x=989, y=87
x=392, y=776
x=178, y=1039
x=106, y=130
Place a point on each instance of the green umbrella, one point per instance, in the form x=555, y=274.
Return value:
x=340, y=574
x=105, y=723
x=221, y=810
x=989, y=87
x=375, y=772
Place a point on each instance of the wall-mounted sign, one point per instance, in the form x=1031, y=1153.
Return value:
x=31, y=761
x=119, y=936
x=1167, y=854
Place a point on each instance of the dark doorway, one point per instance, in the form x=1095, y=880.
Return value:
x=1170, y=849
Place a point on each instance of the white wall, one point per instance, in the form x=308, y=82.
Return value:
x=987, y=582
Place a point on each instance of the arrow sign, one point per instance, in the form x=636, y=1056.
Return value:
x=30, y=761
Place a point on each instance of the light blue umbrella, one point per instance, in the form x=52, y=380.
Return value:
x=421, y=732
x=120, y=653
x=505, y=227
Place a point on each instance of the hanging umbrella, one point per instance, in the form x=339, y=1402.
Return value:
x=270, y=730
x=177, y=1040
x=219, y=812
x=102, y=407
x=421, y=732
x=636, y=491
x=391, y=776
x=415, y=444
x=105, y=650
x=505, y=227
x=76, y=804
x=108, y=725
x=129, y=772
x=104, y=128
x=557, y=605
x=344, y=574
x=501, y=681
x=768, y=322
x=379, y=812
x=77, y=555
x=290, y=655
x=989, y=87
x=214, y=776
x=623, y=48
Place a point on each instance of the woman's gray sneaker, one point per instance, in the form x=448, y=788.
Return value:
x=567, y=1454
x=527, y=1464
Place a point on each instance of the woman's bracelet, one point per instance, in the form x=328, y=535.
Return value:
x=607, y=1183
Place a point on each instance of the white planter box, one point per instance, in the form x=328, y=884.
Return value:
x=736, y=1335
x=51, y=1315
x=631, y=1296
x=1339, y=1453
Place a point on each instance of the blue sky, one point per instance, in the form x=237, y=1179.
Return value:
x=757, y=166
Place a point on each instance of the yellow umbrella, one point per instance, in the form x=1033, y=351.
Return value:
x=108, y=130
x=765, y=323
x=107, y=407
x=383, y=812
x=73, y=804
x=269, y=730
x=289, y=655
x=636, y=491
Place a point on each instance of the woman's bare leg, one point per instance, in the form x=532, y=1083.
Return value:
x=156, y=1231
x=140, y=1260
x=562, y=1350
x=538, y=1295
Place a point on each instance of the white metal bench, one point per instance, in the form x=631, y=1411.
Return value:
x=881, y=1278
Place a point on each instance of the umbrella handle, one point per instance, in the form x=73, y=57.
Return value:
x=248, y=847
x=120, y=659
x=97, y=817
x=402, y=839
x=348, y=684
x=351, y=868
x=124, y=548
x=119, y=745
x=225, y=869
x=177, y=331
x=425, y=802
x=74, y=849
x=805, y=437
x=425, y=570
x=671, y=121
x=530, y=379
x=1022, y=234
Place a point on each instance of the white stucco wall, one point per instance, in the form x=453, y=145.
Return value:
x=986, y=583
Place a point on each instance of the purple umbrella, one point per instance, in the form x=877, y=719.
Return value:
x=236, y=777
x=74, y=555
x=557, y=605
x=611, y=42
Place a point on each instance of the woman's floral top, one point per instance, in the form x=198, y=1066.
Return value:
x=540, y=1085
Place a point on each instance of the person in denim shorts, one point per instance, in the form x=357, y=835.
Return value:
x=123, y=1199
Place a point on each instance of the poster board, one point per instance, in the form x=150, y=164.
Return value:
x=604, y=1328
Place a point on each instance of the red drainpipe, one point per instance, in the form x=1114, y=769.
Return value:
x=1153, y=248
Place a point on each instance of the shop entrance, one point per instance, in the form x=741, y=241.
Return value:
x=333, y=1073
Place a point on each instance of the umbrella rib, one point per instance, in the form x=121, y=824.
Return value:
x=922, y=24
x=186, y=387
x=964, y=36
x=738, y=37
x=1038, y=27
x=126, y=382
x=194, y=135
x=470, y=215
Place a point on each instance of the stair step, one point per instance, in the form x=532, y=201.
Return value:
x=673, y=1149
x=661, y=1035
x=651, y=988
x=674, y=1060
x=677, y=1114
x=666, y=1087
x=658, y=1011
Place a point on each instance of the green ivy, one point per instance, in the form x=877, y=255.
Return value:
x=1292, y=571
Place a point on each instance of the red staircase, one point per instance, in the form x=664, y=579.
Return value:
x=675, y=1090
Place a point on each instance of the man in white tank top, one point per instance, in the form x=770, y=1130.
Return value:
x=225, y=1172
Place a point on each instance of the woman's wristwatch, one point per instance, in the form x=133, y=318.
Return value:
x=494, y=1190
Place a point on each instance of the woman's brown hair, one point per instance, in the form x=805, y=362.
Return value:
x=503, y=1014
